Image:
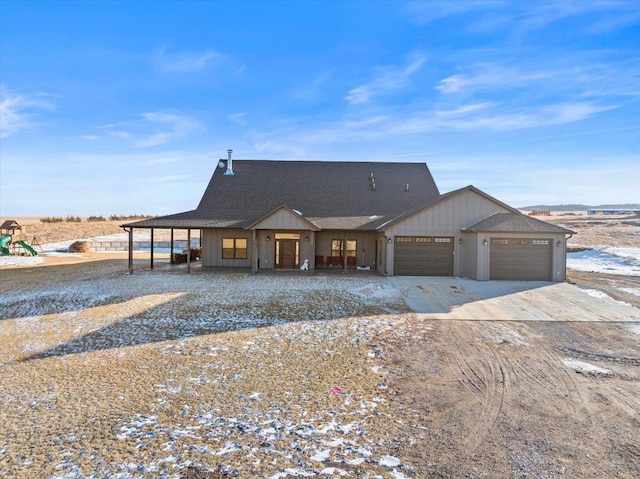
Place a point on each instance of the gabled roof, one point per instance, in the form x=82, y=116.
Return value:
x=330, y=194
x=442, y=198
x=9, y=224
x=514, y=223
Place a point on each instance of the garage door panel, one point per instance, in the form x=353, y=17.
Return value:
x=520, y=259
x=423, y=256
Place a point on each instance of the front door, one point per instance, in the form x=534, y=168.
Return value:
x=287, y=253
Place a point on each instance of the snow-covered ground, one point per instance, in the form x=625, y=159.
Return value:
x=607, y=259
x=248, y=373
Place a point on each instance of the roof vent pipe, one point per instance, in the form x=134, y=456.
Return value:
x=406, y=188
x=229, y=163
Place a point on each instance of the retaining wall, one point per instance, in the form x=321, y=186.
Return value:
x=178, y=245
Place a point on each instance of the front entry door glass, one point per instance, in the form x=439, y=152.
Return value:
x=287, y=250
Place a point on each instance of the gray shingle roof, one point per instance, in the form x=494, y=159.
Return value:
x=514, y=223
x=332, y=195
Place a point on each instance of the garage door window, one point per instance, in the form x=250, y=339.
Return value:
x=540, y=242
x=403, y=239
x=499, y=241
x=443, y=240
x=423, y=240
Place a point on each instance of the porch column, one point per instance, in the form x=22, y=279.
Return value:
x=131, y=251
x=344, y=252
x=312, y=260
x=151, y=267
x=171, y=254
x=254, y=251
x=189, y=251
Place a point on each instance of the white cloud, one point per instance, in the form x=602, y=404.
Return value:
x=313, y=89
x=166, y=126
x=238, y=118
x=386, y=79
x=90, y=137
x=186, y=62
x=483, y=117
x=487, y=76
x=18, y=111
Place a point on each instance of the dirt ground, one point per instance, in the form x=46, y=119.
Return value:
x=447, y=378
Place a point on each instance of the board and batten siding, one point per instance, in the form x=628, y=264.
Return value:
x=212, y=248
x=365, y=240
x=445, y=218
x=282, y=219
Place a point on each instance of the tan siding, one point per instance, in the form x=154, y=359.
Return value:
x=282, y=219
x=449, y=216
x=365, y=240
x=212, y=248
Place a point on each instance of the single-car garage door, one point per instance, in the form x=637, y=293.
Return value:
x=520, y=259
x=423, y=256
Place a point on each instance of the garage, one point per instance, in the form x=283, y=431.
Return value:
x=423, y=256
x=520, y=259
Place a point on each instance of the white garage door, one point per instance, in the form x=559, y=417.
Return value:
x=520, y=259
x=423, y=256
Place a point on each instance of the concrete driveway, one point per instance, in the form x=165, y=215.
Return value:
x=460, y=298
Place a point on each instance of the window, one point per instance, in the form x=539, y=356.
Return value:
x=499, y=241
x=403, y=239
x=234, y=248
x=520, y=241
x=443, y=240
x=424, y=239
x=540, y=242
x=337, y=247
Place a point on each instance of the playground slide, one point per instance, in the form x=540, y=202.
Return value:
x=31, y=251
x=5, y=240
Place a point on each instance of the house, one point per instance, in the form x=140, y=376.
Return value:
x=386, y=217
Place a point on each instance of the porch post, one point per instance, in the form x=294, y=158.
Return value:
x=131, y=251
x=312, y=260
x=254, y=252
x=151, y=267
x=189, y=251
x=171, y=254
x=344, y=252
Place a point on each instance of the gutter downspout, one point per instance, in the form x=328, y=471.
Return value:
x=566, y=240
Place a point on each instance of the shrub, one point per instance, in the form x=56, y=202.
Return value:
x=73, y=219
x=94, y=219
x=129, y=217
x=52, y=219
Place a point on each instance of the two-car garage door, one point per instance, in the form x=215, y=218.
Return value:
x=520, y=259
x=423, y=256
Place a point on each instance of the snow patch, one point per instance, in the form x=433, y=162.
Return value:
x=583, y=367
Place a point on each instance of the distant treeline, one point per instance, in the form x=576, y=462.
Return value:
x=579, y=207
x=93, y=219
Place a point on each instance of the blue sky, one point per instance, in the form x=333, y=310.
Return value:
x=125, y=107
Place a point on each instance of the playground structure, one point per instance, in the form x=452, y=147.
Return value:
x=13, y=240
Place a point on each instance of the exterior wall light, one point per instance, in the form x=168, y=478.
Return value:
x=306, y=238
x=389, y=240
x=268, y=238
x=485, y=242
x=460, y=241
x=559, y=243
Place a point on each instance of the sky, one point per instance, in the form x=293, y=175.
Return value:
x=125, y=107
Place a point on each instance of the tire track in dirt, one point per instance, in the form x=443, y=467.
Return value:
x=485, y=375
